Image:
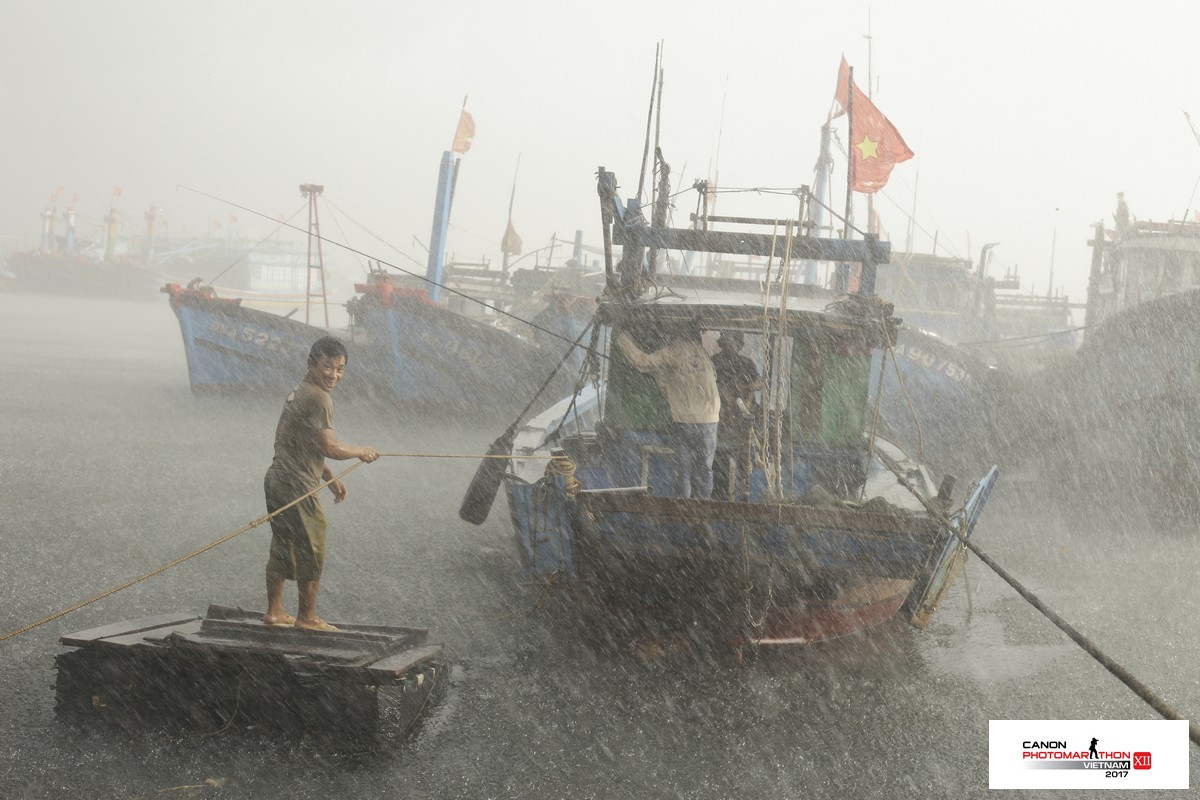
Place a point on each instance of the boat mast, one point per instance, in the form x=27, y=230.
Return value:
x=841, y=282
x=872, y=222
x=311, y=191
x=441, y=224
x=507, y=248
x=447, y=176
x=820, y=194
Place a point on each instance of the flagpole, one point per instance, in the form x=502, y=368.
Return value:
x=649, y=122
x=870, y=96
x=460, y=113
x=511, y=198
x=842, y=273
x=457, y=159
x=850, y=151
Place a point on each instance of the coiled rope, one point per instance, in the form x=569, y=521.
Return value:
x=561, y=464
x=250, y=525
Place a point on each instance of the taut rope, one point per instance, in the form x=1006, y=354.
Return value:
x=254, y=524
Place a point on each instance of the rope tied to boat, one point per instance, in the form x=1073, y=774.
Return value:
x=249, y=526
x=1143, y=691
x=561, y=464
x=109, y=592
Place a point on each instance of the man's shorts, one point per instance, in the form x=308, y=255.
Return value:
x=297, y=535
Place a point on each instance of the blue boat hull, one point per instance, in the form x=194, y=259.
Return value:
x=231, y=347
x=412, y=354
x=423, y=355
x=937, y=401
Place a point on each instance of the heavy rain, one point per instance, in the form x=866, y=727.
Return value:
x=196, y=193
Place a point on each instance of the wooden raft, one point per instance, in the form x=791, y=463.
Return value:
x=227, y=670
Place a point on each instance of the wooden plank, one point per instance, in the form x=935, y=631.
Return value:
x=155, y=637
x=85, y=637
x=260, y=630
x=319, y=649
x=399, y=663
x=228, y=613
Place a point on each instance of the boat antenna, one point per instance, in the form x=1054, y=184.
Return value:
x=657, y=131
x=912, y=218
x=649, y=121
x=715, y=168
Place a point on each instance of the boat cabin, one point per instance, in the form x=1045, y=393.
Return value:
x=815, y=368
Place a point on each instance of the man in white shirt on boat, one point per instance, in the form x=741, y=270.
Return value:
x=684, y=373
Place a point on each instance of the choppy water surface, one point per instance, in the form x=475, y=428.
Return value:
x=111, y=467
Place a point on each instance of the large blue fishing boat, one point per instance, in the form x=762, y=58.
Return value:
x=822, y=529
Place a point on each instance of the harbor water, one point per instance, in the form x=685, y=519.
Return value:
x=112, y=467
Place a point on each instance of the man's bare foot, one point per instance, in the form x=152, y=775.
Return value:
x=279, y=620
x=314, y=624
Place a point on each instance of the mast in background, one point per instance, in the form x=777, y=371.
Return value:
x=447, y=177
x=311, y=191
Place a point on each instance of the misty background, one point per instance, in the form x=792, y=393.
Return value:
x=1026, y=118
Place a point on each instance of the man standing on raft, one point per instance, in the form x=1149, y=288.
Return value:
x=304, y=438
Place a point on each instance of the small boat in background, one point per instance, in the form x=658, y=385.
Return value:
x=408, y=346
x=231, y=346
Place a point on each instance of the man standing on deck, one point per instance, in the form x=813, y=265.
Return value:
x=737, y=381
x=304, y=438
x=684, y=372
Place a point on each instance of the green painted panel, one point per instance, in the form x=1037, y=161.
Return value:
x=633, y=401
x=829, y=382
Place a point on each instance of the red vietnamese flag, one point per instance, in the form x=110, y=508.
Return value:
x=876, y=145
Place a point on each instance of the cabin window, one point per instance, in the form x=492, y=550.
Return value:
x=829, y=382
x=633, y=400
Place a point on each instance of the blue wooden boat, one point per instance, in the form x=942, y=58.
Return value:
x=938, y=399
x=421, y=354
x=420, y=344
x=830, y=531
x=230, y=346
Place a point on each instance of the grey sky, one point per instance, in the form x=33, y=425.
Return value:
x=1026, y=117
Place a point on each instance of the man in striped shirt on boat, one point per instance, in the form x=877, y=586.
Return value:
x=684, y=372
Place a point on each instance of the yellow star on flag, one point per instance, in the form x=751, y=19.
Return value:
x=868, y=148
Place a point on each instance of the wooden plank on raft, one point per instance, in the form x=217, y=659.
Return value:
x=231, y=629
x=397, y=664
x=121, y=629
x=254, y=619
x=156, y=637
x=315, y=646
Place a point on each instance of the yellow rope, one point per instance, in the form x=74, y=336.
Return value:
x=562, y=464
x=224, y=539
x=177, y=561
x=455, y=455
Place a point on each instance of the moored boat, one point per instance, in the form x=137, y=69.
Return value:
x=230, y=346
x=829, y=530
x=1121, y=419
